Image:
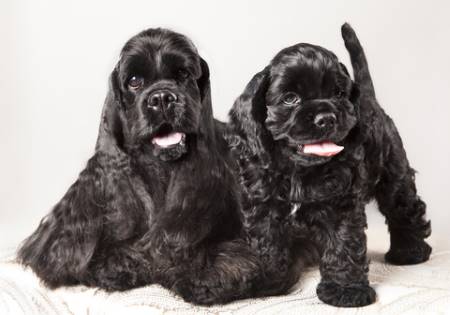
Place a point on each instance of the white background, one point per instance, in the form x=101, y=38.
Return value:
x=55, y=58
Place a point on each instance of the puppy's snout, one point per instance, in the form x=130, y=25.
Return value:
x=162, y=98
x=325, y=120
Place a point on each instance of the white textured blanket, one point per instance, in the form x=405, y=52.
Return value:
x=420, y=289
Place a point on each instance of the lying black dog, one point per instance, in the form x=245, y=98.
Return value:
x=313, y=148
x=157, y=203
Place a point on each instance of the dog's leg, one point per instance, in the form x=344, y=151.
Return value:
x=269, y=230
x=118, y=268
x=404, y=210
x=270, y=238
x=235, y=269
x=344, y=265
x=230, y=272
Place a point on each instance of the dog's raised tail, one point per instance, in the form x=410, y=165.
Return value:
x=359, y=61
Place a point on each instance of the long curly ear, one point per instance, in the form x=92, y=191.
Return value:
x=64, y=246
x=111, y=135
x=203, y=81
x=204, y=86
x=249, y=112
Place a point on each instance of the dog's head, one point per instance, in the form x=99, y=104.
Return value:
x=159, y=99
x=303, y=103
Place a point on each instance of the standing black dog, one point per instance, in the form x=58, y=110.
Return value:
x=157, y=203
x=313, y=148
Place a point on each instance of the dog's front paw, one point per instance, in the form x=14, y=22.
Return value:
x=194, y=293
x=185, y=289
x=412, y=254
x=352, y=295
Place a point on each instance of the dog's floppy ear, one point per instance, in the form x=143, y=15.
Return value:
x=203, y=80
x=112, y=129
x=63, y=246
x=62, y=249
x=206, y=116
x=249, y=112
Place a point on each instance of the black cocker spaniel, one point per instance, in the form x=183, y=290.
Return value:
x=157, y=203
x=313, y=148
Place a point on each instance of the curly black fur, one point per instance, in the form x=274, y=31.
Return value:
x=141, y=212
x=294, y=201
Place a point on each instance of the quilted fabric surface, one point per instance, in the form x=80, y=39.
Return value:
x=419, y=289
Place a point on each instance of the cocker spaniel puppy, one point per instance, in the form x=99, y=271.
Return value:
x=157, y=203
x=313, y=148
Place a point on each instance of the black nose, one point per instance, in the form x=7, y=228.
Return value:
x=325, y=120
x=161, y=98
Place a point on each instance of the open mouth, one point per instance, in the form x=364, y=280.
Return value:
x=169, y=139
x=167, y=143
x=323, y=149
x=166, y=137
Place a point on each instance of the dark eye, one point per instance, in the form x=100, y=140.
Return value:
x=135, y=82
x=183, y=73
x=291, y=98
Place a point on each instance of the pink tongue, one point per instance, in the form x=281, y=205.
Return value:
x=322, y=149
x=169, y=139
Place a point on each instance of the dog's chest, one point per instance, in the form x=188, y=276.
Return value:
x=323, y=185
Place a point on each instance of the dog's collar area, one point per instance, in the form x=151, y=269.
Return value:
x=295, y=194
x=295, y=207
